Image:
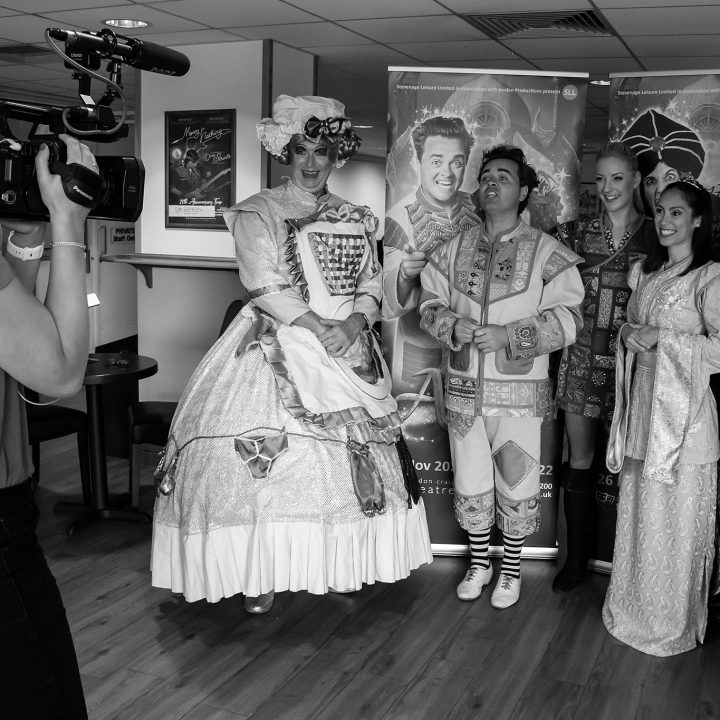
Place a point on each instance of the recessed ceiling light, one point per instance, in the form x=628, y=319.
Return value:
x=599, y=82
x=126, y=24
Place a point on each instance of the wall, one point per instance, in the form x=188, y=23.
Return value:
x=179, y=317
x=361, y=181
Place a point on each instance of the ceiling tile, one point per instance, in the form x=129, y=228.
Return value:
x=191, y=37
x=654, y=4
x=92, y=18
x=683, y=45
x=305, y=35
x=568, y=47
x=231, y=13
x=25, y=28
x=432, y=28
x=710, y=63
x=517, y=64
x=517, y=6
x=33, y=72
x=455, y=51
x=680, y=20
x=44, y=6
x=594, y=66
x=357, y=54
x=334, y=10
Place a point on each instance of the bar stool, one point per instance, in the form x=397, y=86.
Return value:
x=49, y=422
x=149, y=428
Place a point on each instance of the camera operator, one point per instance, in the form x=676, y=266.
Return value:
x=45, y=347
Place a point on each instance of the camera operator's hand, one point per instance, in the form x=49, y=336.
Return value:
x=51, y=189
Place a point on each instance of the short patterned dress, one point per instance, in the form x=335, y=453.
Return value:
x=586, y=376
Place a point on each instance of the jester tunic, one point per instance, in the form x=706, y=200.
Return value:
x=282, y=470
x=526, y=282
x=523, y=280
x=664, y=443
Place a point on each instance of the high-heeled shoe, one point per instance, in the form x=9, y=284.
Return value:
x=261, y=604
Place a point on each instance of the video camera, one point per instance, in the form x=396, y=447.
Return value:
x=115, y=191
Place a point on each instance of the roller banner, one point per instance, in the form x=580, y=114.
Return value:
x=542, y=113
x=672, y=122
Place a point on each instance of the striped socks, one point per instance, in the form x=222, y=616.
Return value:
x=513, y=545
x=479, y=546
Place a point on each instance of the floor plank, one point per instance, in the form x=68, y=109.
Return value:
x=405, y=650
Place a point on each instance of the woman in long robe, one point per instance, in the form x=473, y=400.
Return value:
x=285, y=467
x=664, y=435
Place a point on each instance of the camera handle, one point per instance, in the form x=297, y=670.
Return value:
x=80, y=184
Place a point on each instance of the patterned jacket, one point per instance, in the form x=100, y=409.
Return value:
x=524, y=280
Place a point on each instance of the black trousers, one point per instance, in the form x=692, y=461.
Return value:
x=39, y=676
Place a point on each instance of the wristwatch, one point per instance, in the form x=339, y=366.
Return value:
x=25, y=253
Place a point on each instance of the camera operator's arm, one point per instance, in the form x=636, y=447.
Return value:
x=24, y=237
x=46, y=346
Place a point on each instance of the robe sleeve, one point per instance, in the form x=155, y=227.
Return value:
x=559, y=318
x=684, y=364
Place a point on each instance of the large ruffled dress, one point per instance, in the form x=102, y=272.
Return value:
x=285, y=468
x=664, y=437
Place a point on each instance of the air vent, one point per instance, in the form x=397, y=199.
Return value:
x=503, y=26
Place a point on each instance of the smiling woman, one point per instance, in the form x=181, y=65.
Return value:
x=664, y=436
x=608, y=242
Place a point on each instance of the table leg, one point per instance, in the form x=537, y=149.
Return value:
x=98, y=466
x=101, y=507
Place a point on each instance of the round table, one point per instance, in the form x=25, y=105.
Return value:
x=107, y=369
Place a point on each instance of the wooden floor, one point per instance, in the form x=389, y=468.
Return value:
x=408, y=650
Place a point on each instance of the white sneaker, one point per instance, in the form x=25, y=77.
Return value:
x=476, y=578
x=506, y=592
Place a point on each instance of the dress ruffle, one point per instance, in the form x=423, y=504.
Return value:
x=313, y=556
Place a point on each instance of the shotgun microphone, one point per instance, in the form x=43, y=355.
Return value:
x=137, y=53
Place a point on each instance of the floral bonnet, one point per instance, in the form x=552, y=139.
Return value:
x=309, y=115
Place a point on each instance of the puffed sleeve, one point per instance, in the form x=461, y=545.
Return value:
x=559, y=318
x=259, y=263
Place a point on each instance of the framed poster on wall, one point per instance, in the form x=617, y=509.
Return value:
x=199, y=176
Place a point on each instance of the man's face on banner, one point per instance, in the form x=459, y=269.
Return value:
x=442, y=168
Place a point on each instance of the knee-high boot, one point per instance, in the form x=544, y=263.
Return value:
x=581, y=521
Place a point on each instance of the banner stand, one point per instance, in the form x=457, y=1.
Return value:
x=543, y=113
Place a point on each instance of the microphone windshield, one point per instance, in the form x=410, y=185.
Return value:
x=155, y=58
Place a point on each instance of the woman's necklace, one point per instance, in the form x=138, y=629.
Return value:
x=610, y=242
